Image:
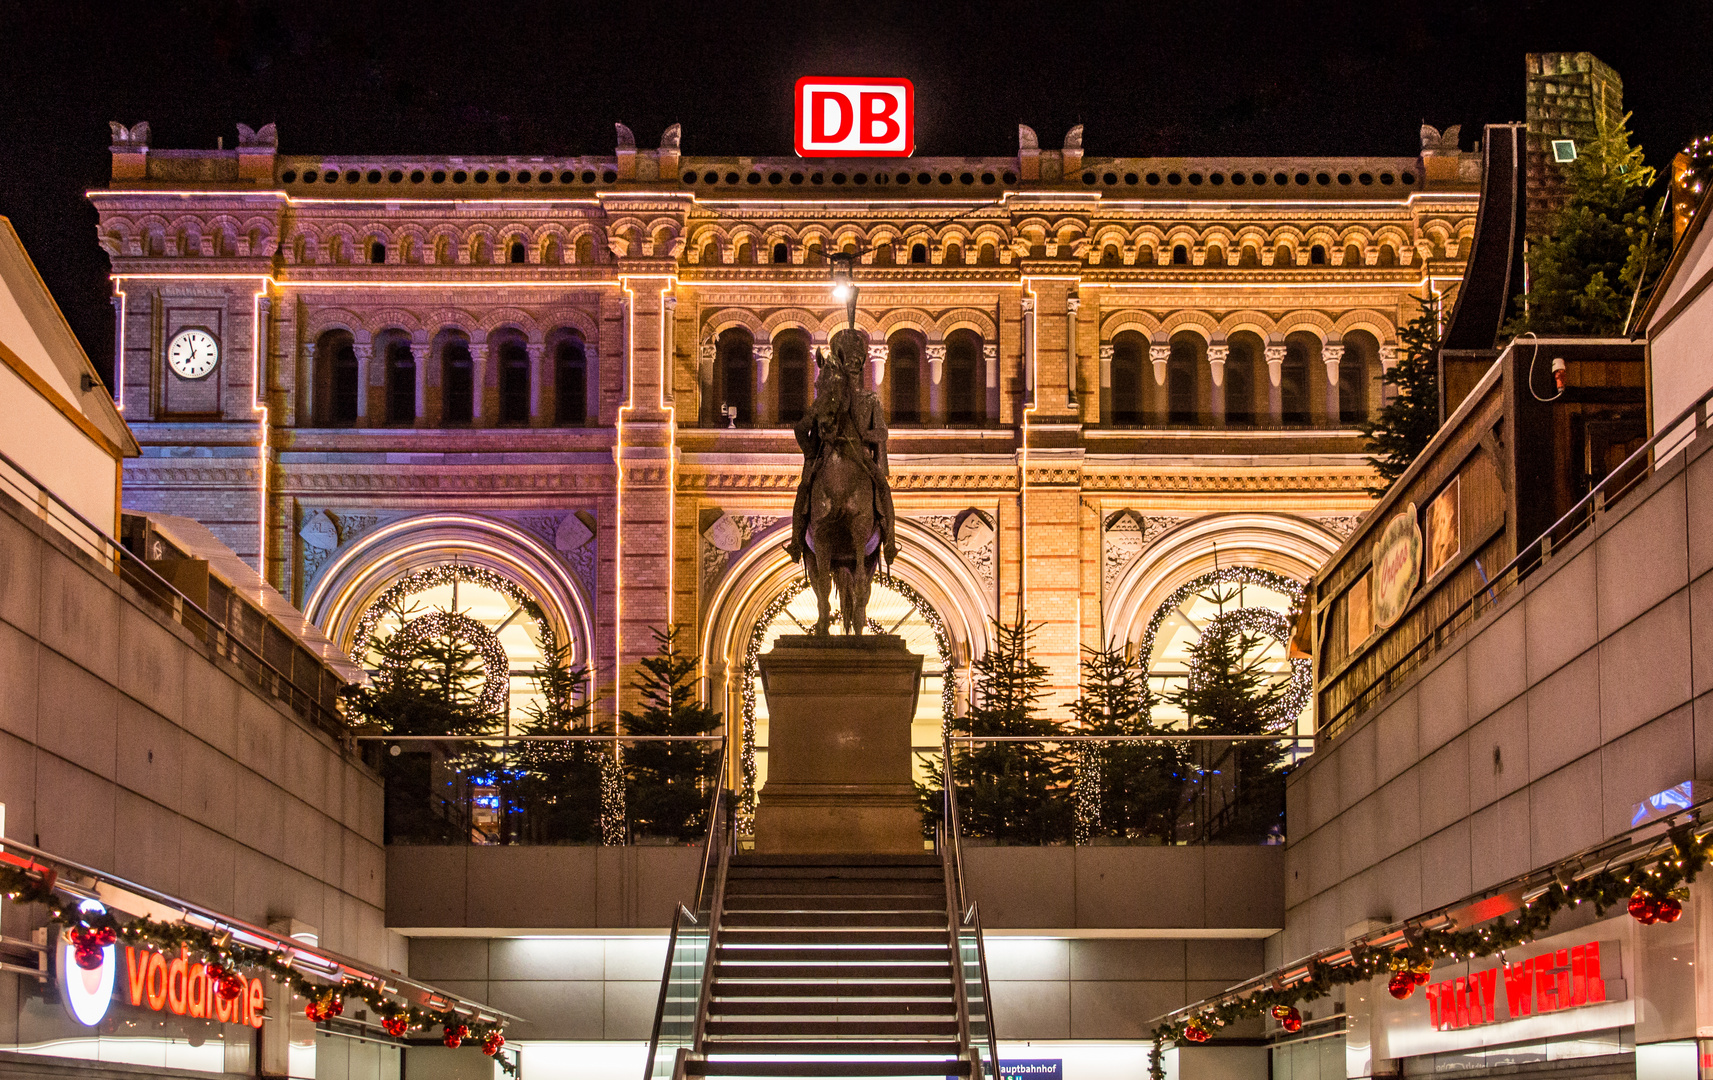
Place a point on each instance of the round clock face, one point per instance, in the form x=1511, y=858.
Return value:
x=193, y=353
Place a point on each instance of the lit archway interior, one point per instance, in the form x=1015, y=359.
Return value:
x=894, y=607
x=1234, y=599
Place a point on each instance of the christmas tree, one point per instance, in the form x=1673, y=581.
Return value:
x=1403, y=428
x=1010, y=792
x=1604, y=248
x=428, y=680
x=1132, y=791
x=666, y=783
x=558, y=784
x=1229, y=691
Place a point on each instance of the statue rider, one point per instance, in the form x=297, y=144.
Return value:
x=848, y=361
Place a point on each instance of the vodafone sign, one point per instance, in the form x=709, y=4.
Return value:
x=855, y=117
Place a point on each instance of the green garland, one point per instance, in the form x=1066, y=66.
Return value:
x=1608, y=888
x=36, y=886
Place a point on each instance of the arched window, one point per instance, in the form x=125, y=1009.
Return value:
x=1317, y=256
x=989, y=256
x=457, y=381
x=1180, y=255
x=1129, y=357
x=513, y=359
x=736, y=373
x=516, y=255
x=746, y=254
x=1240, y=381
x=551, y=253
x=781, y=253
x=570, y=382
x=1356, y=374
x=1110, y=256
x=904, y=368
x=1352, y=255
x=584, y=251
x=791, y=370
x=966, y=404
x=1294, y=381
x=918, y=254
x=1388, y=256
x=954, y=255
x=1181, y=368
x=377, y=252
x=1249, y=257
x=401, y=381
x=337, y=373
x=1284, y=256
x=1215, y=256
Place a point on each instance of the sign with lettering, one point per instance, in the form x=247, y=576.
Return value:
x=1559, y=986
x=1397, y=566
x=1046, y=1069
x=183, y=988
x=855, y=117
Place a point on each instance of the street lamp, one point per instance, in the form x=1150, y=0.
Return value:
x=843, y=287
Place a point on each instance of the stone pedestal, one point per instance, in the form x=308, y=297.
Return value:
x=838, y=747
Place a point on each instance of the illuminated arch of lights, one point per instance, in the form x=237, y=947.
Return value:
x=496, y=667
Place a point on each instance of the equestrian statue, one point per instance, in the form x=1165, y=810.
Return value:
x=842, y=524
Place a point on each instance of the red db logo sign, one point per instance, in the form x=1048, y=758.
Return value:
x=855, y=117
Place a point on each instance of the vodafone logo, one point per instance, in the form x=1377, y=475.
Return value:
x=86, y=993
x=855, y=117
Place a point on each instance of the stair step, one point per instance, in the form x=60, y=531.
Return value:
x=925, y=1067
x=836, y=886
x=746, y=935
x=741, y=917
x=832, y=954
x=929, y=900
x=836, y=1029
x=858, y=989
x=862, y=973
x=753, y=858
x=798, y=1007
x=914, y=1048
x=834, y=873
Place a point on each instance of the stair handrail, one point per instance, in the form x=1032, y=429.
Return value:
x=715, y=852
x=724, y=824
x=963, y=912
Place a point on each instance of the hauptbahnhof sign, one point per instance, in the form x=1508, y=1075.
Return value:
x=855, y=117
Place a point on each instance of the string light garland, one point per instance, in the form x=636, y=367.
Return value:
x=224, y=957
x=496, y=666
x=612, y=800
x=752, y=668
x=1653, y=881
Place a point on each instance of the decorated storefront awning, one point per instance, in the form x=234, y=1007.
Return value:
x=1645, y=870
x=99, y=914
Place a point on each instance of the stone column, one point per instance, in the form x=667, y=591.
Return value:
x=1388, y=361
x=936, y=357
x=308, y=401
x=479, y=383
x=1073, y=306
x=419, y=350
x=1275, y=355
x=766, y=408
x=1029, y=358
x=1106, y=382
x=1158, y=354
x=877, y=363
x=539, y=384
x=706, y=354
x=1216, y=356
x=1331, y=353
x=990, y=359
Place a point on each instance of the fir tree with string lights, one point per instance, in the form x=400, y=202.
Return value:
x=666, y=783
x=424, y=684
x=1132, y=791
x=558, y=784
x=1403, y=428
x=1229, y=691
x=1009, y=792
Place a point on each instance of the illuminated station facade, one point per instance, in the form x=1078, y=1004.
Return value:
x=573, y=379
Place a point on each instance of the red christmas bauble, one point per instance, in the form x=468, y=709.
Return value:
x=313, y=1011
x=395, y=1025
x=1292, y=1023
x=230, y=987
x=81, y=936
x=454, y=1037
x=1644, y=907
x=335, y=1006
x=103, y=936
x=1282, y=1011
x=492, y=1043
x=88, y=957
x=1402, y=984
x=1670, y=909
x=1194, y=1032
x=1421, y=977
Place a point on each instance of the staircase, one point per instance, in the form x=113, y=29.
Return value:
x=818, y=960
x=825, y=966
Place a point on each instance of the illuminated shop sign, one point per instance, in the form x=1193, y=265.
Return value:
x=1548, y=983
x=855, y=117
x=154, y=981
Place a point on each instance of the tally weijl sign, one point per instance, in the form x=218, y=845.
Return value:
x=1568, y=984
x=855, y=117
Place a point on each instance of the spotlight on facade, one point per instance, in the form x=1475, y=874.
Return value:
x=843, y=287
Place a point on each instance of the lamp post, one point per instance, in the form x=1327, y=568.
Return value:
x=843, y=287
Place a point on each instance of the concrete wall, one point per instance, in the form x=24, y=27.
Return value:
x=1532, y=734
x=1233, y=890
x=501, y=889
x=125, y=747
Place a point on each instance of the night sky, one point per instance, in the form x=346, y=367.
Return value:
x=1144, y=77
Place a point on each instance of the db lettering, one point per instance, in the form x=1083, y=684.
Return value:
x=856, y=117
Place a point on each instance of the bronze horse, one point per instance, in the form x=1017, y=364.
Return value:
x=847, y=522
